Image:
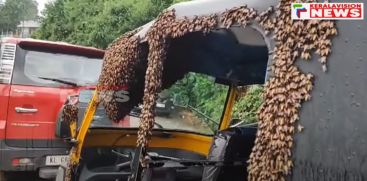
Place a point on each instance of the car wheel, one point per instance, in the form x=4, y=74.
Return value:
x=167, y=114
x=2, y=176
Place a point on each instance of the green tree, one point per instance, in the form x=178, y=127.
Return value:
x=96, y=22
x=55, y=26
x=15, y=11
x=247, y=106
x=201, y=93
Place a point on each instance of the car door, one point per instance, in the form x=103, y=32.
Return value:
x=7, y=53
x=32, y=114
x=34, y=103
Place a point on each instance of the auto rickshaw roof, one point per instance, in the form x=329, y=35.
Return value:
x=236, y=54
x=191, y=9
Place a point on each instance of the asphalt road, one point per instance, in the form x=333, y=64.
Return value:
x=23, y=176
x=178, y=120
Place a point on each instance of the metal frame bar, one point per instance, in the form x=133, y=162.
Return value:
x=226, y=118
x=87, y=120
x=73, y=127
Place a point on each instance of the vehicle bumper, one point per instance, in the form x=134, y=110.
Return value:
x=37, y=155
x=163, y=111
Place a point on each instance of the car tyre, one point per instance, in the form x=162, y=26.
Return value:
x=2, y=176
x=167, y=115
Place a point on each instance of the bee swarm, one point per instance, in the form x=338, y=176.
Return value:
x=70, y=113
x=238, y=15
x=117, y=72
x=164, y=28
x=287, y=88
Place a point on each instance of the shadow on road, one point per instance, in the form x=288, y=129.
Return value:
x=23, y=176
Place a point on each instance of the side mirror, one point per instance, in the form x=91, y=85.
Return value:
x=60, y=175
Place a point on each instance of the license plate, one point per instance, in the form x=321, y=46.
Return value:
x=161, y=105
x=57, y=160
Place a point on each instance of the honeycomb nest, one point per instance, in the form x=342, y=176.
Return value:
x=118, y=73
x=287, y=88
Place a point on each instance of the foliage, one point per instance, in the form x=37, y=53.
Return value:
x=55, y=26
x=98, y=23
x=15, y=11
x=200, y=92
x=246, y=107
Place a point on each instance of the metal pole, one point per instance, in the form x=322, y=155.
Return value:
x=23, y=22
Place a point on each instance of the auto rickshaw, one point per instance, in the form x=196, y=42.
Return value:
x=310, y=126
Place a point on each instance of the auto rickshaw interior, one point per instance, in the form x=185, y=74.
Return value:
x=233, y=57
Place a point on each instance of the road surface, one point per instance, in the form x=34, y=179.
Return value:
x=23, y=176
x=178, y=120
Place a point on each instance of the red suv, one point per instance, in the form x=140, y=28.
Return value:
x=36, y=77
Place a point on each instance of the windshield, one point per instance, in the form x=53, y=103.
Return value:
x=195, y=103
x=56, y=68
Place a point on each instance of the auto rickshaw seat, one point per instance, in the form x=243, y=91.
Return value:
x=232, y=144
